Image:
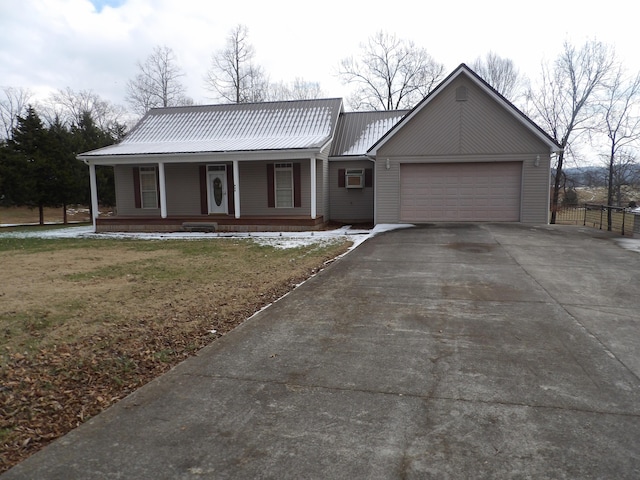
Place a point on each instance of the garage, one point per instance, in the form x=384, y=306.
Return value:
x=460, y=192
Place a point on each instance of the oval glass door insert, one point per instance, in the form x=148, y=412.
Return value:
x=217, y=191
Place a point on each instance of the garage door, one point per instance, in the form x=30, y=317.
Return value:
x=463, y=192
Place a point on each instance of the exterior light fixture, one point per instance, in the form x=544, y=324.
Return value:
x=536, y=162
x=388, y=166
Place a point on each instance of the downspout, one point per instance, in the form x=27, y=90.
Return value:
x=375, y=188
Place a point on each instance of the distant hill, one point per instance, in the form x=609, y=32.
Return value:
x=594, y=176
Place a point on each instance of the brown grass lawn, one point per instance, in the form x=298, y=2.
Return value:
x=23, y=215
x=84, y=322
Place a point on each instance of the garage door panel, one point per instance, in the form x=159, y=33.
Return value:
x=460, y=192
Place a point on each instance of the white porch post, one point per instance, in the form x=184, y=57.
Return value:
x=314, y=195
x=163, y=190
x=236, y=188
x=94, y=194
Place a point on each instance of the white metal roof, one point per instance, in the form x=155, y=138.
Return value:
x=304, y=124
x=358, y=131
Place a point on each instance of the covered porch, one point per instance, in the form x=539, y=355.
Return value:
x=244, y=167
x=214, y=194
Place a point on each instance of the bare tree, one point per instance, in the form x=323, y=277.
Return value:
x=625, y=176
x=299, y=89
x=390, y=74
x=13, y=105
x=621, y=120
x=69, y=107
x=158, y=83
x=233, y=75
x=565, y=100
x=500, y=73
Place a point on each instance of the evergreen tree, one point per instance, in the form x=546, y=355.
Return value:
x=88, y=136
x=30, y=142
x=16, y=184
x=38, y=166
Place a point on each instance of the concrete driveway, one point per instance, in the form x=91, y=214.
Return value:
x=450, y=351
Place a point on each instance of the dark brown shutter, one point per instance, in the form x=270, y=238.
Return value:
x=271, y=194
x=368, y=177
x=204, y=207
x=341, y=173
x=136, y=187
x=297, y=186
x=230, y=191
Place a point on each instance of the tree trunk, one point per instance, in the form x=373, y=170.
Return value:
x=64, y=213
x=556, y=188
x=610, y=190
x=41, y=213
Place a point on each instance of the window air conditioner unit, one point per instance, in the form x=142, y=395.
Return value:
x=354, y=178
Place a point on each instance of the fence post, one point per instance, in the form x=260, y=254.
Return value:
x=584, y=223
x=623, y=214
x=601, y=211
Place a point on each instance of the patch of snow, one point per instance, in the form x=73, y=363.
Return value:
x=629, y=244
x=274, y=239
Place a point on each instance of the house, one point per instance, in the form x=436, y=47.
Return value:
x=464, y=153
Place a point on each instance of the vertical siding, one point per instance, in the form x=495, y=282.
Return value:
x=322, y=192
x=183, y=188
x=387, y=184
x=325, y=189
x=125, y=197
x=253, y=190
x=349, y=204
x=535, y=189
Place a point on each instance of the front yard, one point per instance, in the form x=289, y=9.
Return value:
x=86, y=321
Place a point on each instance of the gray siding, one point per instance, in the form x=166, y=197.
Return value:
x=349, y=204
x=535, y=189
x=183, y=189
x=253, y=190
x=387, y=186
x=125, y=196
x=322, y=183
x=325, y=189
x=475, y=130
x=535, y=184
x=477, y=126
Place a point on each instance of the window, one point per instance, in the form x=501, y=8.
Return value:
x=283, y=178
x=354, y=178
x=148, y=187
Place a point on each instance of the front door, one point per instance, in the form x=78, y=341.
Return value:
x=217, y=188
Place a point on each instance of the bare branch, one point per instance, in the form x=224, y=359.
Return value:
x=500, y=73
x=158, y=83
x=13, y=105
x=233, y=75
x=565, y=101
x=390, y=74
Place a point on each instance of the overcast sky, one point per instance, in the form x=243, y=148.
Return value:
x=94, y=44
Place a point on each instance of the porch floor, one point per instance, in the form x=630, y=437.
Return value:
x=218, y=223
